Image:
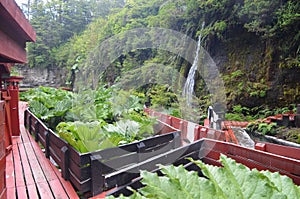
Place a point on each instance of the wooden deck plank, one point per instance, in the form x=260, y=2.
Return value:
x=29, y=174
x=45, y=164
x=10, y=173
x=26, y=167
x=11, y=193
x=24, y=134
x=58, y=190
x=21, y=192
x=15, y=140
x=44, y=190
x=20, y=182
x=15, y=150
x=18, y=169
x=34, y=164
x=67, y=185
x=32, y=192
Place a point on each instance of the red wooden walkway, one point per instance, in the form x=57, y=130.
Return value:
x=29, y=174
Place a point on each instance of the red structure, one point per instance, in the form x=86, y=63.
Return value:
x=2, y=153
x=15, y=31
x=12, y=86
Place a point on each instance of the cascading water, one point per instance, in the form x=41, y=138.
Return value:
x=188, y=88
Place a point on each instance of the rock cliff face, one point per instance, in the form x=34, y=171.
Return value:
x=252, y=71
x=33, y=77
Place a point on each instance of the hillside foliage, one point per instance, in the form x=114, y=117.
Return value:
x=261, y=38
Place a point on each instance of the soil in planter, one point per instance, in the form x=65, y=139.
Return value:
x=289, y=134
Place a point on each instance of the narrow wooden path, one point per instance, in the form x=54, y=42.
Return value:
x=29, y=174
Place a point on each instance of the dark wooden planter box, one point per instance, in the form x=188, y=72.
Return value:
x=93, y=173
x=209, y=151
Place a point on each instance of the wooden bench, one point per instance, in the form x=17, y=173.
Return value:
x=29, y=174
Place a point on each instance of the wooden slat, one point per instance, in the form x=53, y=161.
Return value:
x=19, y=174
x=84, y=186
x=36, y=170
x=67, y=185
x=44, y=190
x=21, y=192
x=11, y=193
x=10, y=179
x=83, y=173
x=81, y=159
x=26, y=167
x=19, y=178
x=44, y=163
x=57, y=189
x=32, y=191
x=24, y=135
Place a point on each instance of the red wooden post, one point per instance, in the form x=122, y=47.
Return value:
x=7, y=121
x=196, y=133
x=260, y=146
x=12, y=84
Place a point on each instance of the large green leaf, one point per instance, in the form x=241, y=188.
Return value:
x=146, y=123
x=232, y=181
x=122, y=132
x=124, y=103
x=67, y=131
x=38, y=109
x=177, y=183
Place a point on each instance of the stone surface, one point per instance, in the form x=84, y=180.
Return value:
x=33, y=77
x=243, y=137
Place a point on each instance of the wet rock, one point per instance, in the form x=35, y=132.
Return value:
x=243, y=137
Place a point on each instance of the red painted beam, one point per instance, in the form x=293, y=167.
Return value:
x=14, y=17
x=10, y=50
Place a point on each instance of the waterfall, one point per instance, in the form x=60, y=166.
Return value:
x=188, y=89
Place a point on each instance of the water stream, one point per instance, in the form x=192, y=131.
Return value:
x=188, y=91
x=188, y=88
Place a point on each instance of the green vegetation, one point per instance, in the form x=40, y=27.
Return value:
x=263, y=128
x=93, y=119
x=260, y=40
x=289, y=134
x=233, y=180
x=242, y=113
x=57, y=21
x=49, y=104
x=272, y=129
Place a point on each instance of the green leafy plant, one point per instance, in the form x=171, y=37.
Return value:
x=84, y=137
x=124, y=103
x=263, y=128
x=92, y=119
x=162, y=96
x=233, y=180
x=239, y=113
x=49, y=104
x=92, y=136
